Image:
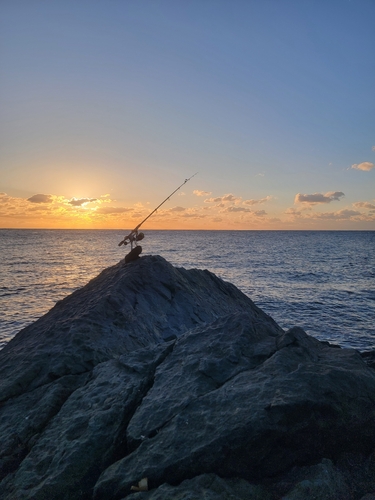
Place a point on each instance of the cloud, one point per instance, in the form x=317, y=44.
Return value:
x=201, y=193
x=230, y=197
x=365, y=166
x=212, y=200
x=373, y=148
x=293, y=211
x=194, y=216
x=104, y=198
x=344, y=214
x=112, y=210
x=4, y=197
x=340, y=215
x=41, y=198
x=82, y=201
x=223, y=199
x=177, y=209
x=316, y=198
x=255, y=202
x=364, y=204
x=236, y=209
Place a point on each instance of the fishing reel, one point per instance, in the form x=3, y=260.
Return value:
x=131, y=238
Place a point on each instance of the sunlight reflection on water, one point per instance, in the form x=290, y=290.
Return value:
x=321, y=281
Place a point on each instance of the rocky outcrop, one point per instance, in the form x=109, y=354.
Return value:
x=174, y=375
x=125, y=308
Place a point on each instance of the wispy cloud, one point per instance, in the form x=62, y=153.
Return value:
x=256, y=202
x=293, y=211
x=237, y=209
x=41, y=198
x=260, y=213
x=193, y=216
x=344, y=214
x=113, y=210
x=316, y=198
x=82, y=201
x=365, y=166
x=197, y=192
x=364, y=204
x=227, y=198
x=340, y=215
x=177, y=209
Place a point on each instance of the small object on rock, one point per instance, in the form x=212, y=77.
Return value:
x=142, y=485
x=133, y=254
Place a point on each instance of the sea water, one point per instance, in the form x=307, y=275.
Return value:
x=322, y=281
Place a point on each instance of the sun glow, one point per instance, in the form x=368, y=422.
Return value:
x=226, y=211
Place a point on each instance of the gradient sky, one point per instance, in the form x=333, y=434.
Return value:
x=107, y=106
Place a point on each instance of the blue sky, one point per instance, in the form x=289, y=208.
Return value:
x=108, y=106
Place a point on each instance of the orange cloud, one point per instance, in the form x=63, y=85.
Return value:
x=201, y=193
x=364, y=204
x=113, y=210
x=255, y=202
x=177, y=209
x=365, y=166
x=340, y=215
x=82, y=201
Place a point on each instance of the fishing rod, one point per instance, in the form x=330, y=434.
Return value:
x=134, y=231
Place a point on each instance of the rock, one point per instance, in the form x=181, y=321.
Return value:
x=126, y=307
x=88, y=431
x=320, y=482
x=155, y=372
x=369, y=357
x=207, y=487
x=237, y=401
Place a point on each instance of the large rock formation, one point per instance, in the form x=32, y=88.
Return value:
x=174, y=375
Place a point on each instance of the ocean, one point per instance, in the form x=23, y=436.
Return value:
x=322, y=281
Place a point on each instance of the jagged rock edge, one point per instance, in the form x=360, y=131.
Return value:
x=148, y=388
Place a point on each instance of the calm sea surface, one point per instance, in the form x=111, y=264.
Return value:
x=322, y=281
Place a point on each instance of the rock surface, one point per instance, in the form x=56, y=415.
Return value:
x=174, y=375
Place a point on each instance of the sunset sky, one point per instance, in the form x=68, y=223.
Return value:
x=107, y=106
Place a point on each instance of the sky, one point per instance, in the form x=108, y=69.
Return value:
x=106, y=107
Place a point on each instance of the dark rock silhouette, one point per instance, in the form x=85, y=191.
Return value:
x=174, y=375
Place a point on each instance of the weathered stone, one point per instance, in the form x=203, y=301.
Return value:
x=88, y=432
x=174, y=375
x=320, y=482
x=359, y=470
x=369, y=357
x=207, y=487
x=22, y=419
x=126, y=307
x=240, y=403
